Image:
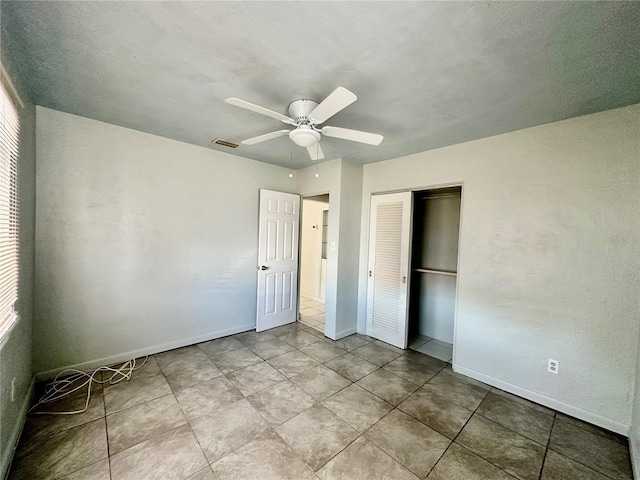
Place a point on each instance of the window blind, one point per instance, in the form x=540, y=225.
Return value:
x=9, y=133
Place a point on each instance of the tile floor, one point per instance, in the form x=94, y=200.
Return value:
x=291, y=404
x=432, y=347
x=312, y=313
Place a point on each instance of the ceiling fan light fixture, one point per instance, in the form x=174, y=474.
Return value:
x=304, y=136
x=305, y=115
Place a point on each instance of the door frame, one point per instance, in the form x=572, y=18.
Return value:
x=435, y=186
x=302, y=199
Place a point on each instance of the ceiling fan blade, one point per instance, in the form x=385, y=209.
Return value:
x=353, y=135
x=315, y=152
x=337, y=100
x=265, y=137
x=261, y=110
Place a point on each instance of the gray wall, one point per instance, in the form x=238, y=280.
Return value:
x=350, y=212
x=328, y=181
x=142, y=243
x=548, y=258
x=634, y=434
x=343, y=181
x=16, y=352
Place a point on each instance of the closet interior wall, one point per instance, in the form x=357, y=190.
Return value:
x=434, y=263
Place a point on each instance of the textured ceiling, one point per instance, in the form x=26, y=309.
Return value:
x=427, y=74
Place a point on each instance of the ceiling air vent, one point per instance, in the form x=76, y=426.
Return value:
x=225, y=143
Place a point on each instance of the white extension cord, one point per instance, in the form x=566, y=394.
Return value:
x=63, y=384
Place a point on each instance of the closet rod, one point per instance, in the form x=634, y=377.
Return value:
x=431, y=197
x=439, y=272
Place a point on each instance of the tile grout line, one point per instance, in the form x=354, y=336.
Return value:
x=362, y=434
x=319, y=364
x=440, y=457
x=142, y=403
x=270, y=426
x=546, y=450
x=506, y=428
x=592, y=425
x=342, y=449
x=295, y=454
x=396, y=407
x=106, y=429
x=516, y=432
x=319, y=402
x=378, y=396
x=359, y=435
x=555, y=417
x=104, y=417
x=189, y=422
x=350, y=383
x=196, y=437
x=461, y=430
x=484, y=459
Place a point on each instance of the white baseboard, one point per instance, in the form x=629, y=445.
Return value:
x=151, y=350
x=7, y=453
x=634, y=449
x=565, y=408
x=345, y=333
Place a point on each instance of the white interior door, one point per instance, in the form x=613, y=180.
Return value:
x=277, y=259
x=387, y=289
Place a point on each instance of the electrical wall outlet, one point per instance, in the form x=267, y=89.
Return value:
x=13, y=389
x=553, y=366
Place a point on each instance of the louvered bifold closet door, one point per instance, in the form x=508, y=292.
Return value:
x=9, y=134
x=389, y=242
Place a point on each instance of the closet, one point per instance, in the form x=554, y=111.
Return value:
x=413, y=257
x=434, y=266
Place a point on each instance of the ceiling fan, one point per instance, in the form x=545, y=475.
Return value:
x=306, y=115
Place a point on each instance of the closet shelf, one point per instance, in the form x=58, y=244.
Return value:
x=439, y=272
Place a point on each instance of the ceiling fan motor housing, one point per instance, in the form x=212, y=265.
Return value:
x=299, y=110
x=305, y=135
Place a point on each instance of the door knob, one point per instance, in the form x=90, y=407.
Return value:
x=264, y=267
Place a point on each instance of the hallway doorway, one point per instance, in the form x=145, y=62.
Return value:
x=313, y=260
